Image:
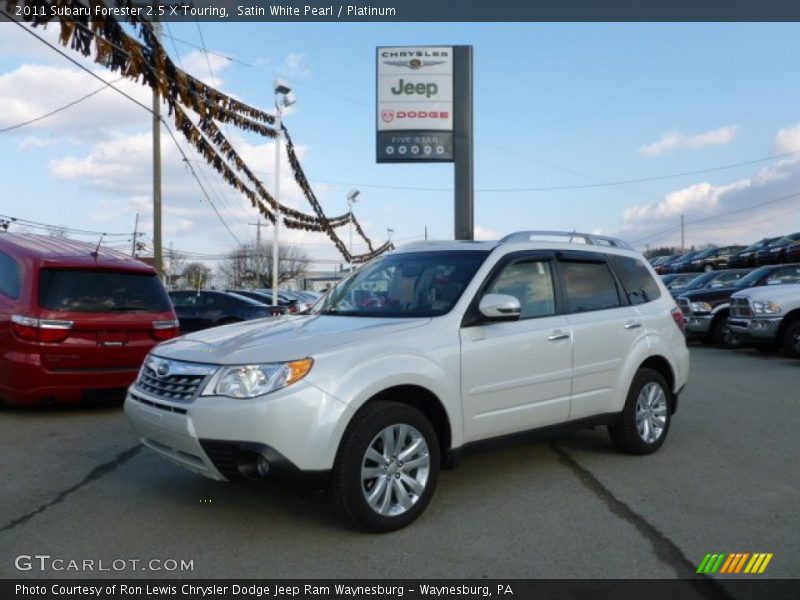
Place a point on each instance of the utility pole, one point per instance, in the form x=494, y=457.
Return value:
x=352, y=196
x=283, y=98
x=426, y=233
x=135, y=236
x=258, y=227
x=683, y=235
x=462, y=143
x=157, y=254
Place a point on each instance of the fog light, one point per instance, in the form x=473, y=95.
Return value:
x=262, y=466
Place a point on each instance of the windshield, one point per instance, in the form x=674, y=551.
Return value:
x=752, y=278
x=700, y=280
x=409, y=284
x=706, y=252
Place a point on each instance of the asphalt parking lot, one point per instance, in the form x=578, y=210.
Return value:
x=77, y=485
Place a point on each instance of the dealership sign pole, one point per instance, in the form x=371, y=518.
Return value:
x=425, y=115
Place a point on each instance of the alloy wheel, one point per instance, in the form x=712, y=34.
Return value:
x=395, y=469
x=651, y=412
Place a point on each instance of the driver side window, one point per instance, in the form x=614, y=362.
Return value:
x=530, y=282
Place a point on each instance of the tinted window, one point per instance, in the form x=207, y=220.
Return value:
x=588, y=286
x=636, y=279
x=10, y=278
x=531, y=283
x=101, y=291
x=185, y=300
x=784, y=275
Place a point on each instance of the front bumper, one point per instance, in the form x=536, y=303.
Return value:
x=698, y=324
x=755, y=329
x=296, y=429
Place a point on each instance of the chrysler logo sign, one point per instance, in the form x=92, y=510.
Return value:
x=414, y=63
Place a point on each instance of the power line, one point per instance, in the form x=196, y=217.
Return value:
x=59, y=109
x=661, y=234
x=147, y=108
x=48, y=227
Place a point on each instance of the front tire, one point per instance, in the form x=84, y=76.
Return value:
x=722, y=335
x=386, y=468
x=645, y=420
x=791, y=339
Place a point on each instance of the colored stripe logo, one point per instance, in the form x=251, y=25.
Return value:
x=735, y=563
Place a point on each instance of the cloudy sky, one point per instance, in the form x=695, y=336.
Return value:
x=618, y=128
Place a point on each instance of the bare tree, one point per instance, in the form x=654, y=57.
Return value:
x=175, y=267
x=250, y=265
x=197, y=274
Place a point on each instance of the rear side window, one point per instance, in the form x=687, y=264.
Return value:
x=636, y=279
x=185, y=300
x=101, y=291
x=10, y=278
x=588, y=286
x=785, y=275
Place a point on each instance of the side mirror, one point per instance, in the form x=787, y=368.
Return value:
x=499, y=307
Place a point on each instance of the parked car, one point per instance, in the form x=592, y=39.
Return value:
x=661, y=267
x=709, y=279
x=76, y=320
x=775, y=253
x=747, y=257
x=677, y=280
x=768, y=317
x=274, y=311
x=793, y=252
x=471, y=340
x=291, y=303
x=714, y=259
x=683, y=264
x=205, y=308
x=707, y=310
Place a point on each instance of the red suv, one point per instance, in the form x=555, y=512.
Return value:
x=76, y=321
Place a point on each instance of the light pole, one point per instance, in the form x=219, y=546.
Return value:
x=283, y=98
x=352, y=196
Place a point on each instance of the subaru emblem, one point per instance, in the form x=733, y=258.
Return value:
x=163, y=369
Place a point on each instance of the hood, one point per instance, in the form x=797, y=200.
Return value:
x=279, y=339
x=709, y=294
x=789, y=291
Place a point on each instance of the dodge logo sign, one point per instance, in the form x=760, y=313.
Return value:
x=387, y=116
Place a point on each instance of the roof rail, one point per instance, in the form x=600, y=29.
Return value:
x=588, y=238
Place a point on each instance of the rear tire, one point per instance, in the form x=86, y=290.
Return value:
x=645, y=420
x=375, y=486
x=791, y=339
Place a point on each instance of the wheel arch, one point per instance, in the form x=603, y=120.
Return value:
x=661, y=365
x=422, y=399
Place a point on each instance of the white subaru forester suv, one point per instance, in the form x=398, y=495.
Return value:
x=414, y=356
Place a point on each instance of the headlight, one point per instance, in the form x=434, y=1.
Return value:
x=249, y=381
x=766, y=308
x=701, y=307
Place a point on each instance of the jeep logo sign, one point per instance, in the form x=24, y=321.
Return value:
x=415, y=98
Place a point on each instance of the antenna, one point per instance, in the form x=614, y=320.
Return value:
x=97, y=248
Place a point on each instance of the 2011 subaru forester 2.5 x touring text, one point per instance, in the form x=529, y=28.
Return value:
x=417, y=354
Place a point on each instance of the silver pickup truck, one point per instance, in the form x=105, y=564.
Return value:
x=767, y=317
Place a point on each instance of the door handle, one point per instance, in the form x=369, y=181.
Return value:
x=558, y=335
x=632, y=325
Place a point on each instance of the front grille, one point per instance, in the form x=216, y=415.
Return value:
x=685, y=306
x=740, y=307
x=172, y=380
